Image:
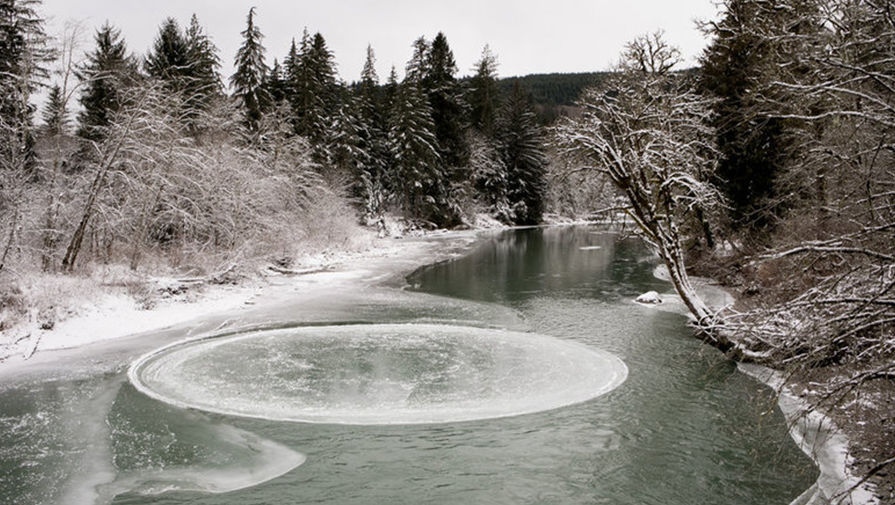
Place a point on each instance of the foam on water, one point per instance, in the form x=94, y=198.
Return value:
x=378, y=374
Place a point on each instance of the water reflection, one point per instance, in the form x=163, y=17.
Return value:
x=514, y=266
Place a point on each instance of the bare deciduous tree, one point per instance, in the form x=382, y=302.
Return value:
x=646, y=132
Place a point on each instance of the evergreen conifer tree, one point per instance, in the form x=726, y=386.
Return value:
x=106, y=70
x=483, y=93
x=521, y=145
x=446, y=99
x=752, y=147
x=417, y=176
x=316, y=91
x=204, y=66
x=248, y=80
x=24, y=55
x=55, y=115
x=275, y=84
x=169, y=58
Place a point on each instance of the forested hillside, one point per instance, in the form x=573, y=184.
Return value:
x=553, y=94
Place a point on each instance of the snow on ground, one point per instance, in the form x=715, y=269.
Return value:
x=117, y=314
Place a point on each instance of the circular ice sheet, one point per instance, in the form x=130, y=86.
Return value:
x=378, y=374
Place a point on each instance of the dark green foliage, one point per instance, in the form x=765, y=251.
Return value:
x=521, y=146
x=106, y=70
x=313, y=90
x=275, y=84
x=483, y=93
x=55, y=115
x=186, y=62
x=417, y=176
x=552, y=94
x=248, y=80
x=446, y=99
x=204, y=65
x=752, y=144
x=169, y=59
x=23, y=59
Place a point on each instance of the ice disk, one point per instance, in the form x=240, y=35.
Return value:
x=378, y=374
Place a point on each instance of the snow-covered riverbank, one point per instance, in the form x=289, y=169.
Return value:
x=116, y=315
x=815, y=433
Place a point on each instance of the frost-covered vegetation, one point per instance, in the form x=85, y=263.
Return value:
x=769, y=168
x=153, y=163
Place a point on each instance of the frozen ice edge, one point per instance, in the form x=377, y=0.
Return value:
x=821, y=440
x=815, y=434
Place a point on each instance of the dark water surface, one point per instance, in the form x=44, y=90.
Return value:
x=684, y=428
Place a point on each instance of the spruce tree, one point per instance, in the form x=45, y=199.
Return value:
x=274, y=83
x=446, y=99
x=169, y=58
x=248, y=80
x=417, y=176
x=204, y=66
x=752, y=145
x=483, y=93
x=374, y=139
x=521, y=145
x=106, y=71
x=24, y=55
x=55, y=113
x=316, y=91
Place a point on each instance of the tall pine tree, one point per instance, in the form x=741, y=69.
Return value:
x=446, y=99
x=521, y=145
x=105, y=72
x=315, y=92
x=169, y=58
x=752, y=145
x=24, y=55
x=248, y=80
x=418, y=176
x=55, y=113
x=483, y=93
x=204, y=65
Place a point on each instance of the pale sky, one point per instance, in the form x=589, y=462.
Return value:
x=527, y=36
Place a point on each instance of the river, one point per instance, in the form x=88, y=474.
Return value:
x=679, y=426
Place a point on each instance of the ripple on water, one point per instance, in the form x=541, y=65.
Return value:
x=378, y=374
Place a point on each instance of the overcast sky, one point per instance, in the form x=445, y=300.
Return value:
x=527, y=36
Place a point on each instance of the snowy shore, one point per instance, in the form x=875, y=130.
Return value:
x=116, y=316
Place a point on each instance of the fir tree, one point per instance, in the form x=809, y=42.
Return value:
x=752, y=146
x=204, y=66
x=106, y=70
x=369, y=80
x=316, y=90
x=521, y=146
x=248, y=80
x=55, y=115
x=373, y=139
x=445, y=98
x=415, y=71
x=274, y=83
x=483, y=93
x=23, y=59
x=390, y=90
x=169, y=58
x=417, y=175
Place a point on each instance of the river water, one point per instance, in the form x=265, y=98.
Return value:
x=618, y=403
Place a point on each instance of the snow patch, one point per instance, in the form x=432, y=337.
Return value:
x=649, y=298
